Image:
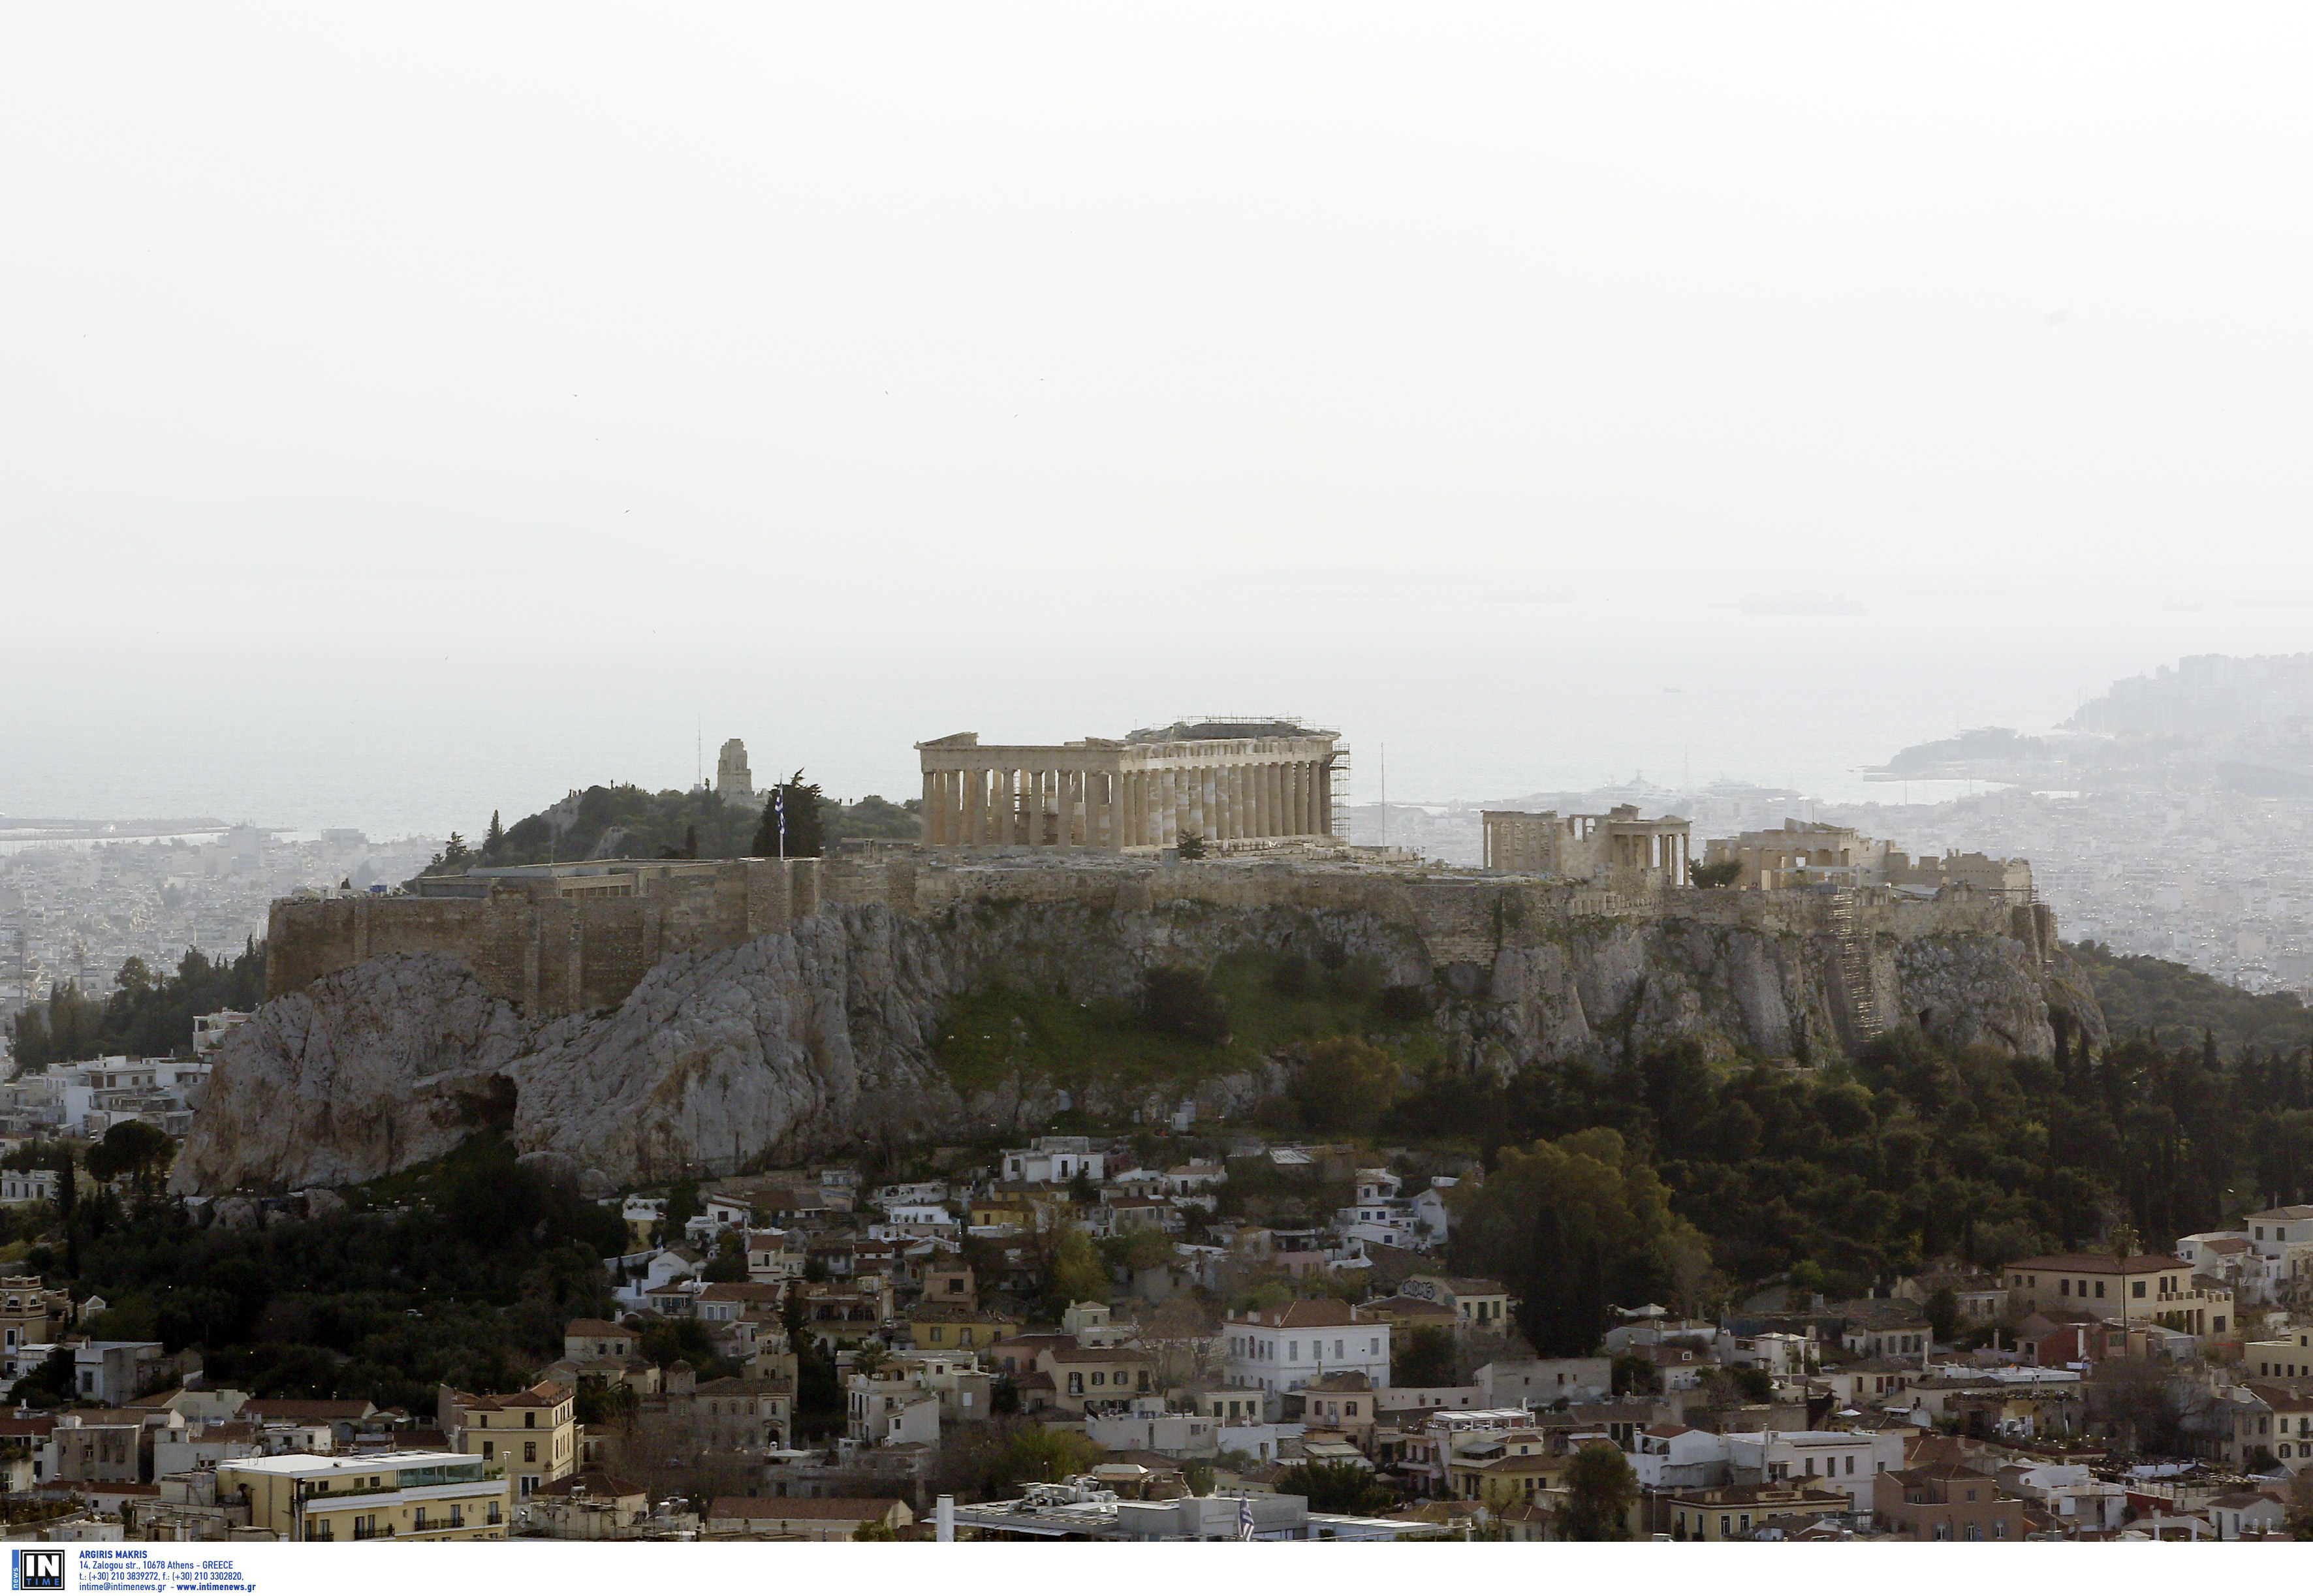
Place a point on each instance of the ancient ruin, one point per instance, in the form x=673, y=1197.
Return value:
x=1810, y=854
x=1587, y=847
x=1233, y=783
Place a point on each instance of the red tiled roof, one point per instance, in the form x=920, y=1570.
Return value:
x=2099, y=1263
x=1305, y=1313
x=305, y=1410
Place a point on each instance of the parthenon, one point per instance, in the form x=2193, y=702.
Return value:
x=1223, y=781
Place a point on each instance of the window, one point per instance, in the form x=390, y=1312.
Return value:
x=530, y=1451
x=489, y=1452
x=2064, y=1288
x=2136, y=1289
x=2099, y=1290
x=494, y=1513
x=530, y=1421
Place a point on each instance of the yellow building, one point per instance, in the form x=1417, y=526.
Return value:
x=409, y=1496
x=951, y=1327
x=1505, y=1470
x=31, y=1315
x=2152, y=1288
x=533, y=1434
x=1734, y=1512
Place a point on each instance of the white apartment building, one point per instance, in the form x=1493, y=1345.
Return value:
x=1283, y=1349
x=1053, y=1159
x=1844, y=1460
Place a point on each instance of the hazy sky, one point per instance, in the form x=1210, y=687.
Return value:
x=406, y=411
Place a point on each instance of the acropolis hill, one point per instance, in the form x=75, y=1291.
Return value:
x=645, y=1018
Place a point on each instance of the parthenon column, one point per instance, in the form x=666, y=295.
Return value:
x=1271, y=809
x=1324, y=789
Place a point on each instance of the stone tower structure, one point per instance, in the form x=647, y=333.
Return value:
x=733, y=783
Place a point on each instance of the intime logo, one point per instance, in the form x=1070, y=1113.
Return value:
x=36, y=1569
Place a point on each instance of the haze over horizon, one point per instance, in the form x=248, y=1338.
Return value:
x=415, y=418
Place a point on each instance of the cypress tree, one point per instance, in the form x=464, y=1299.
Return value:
x=798, y=801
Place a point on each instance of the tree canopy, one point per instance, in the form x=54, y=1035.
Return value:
x=147, y=1016
x=1574, y=1226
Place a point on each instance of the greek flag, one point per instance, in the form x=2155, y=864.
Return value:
x=1244, y=1518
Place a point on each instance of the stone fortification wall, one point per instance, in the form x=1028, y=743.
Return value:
x=760, y=1010
x=555, y=955
x=552, y=955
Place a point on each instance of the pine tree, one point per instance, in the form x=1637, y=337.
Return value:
x=494, y=838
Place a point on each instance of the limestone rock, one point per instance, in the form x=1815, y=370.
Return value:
x=321, y=1202
x=373, y=1069
x=816, y=1040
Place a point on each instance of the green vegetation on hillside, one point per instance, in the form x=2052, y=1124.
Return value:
x=1864, y=1171
x=1186, y=1025
x=148, y=1015
x=2178, y=1004
x=466, y=1272
x=629, y=822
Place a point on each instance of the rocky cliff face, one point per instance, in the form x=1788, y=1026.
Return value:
x=809, y=1042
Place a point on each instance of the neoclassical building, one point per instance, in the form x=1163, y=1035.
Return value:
x=1224, y=781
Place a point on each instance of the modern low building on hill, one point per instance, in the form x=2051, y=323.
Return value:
x=413, y=1496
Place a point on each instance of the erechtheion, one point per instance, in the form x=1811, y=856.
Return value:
x=1587, y=847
